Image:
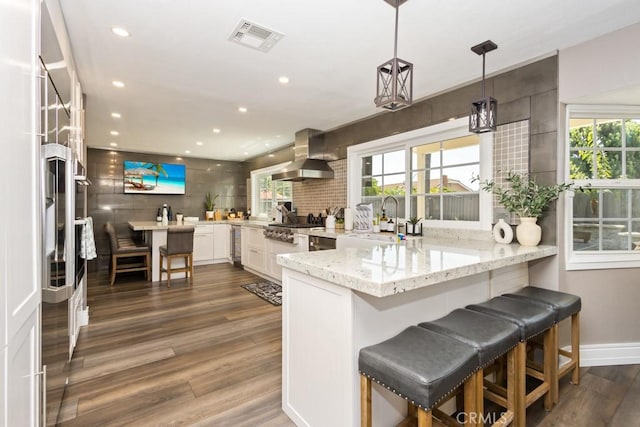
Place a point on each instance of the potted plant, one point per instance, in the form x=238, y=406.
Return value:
x=209, y=206
x=411, y=226
x=525, y=198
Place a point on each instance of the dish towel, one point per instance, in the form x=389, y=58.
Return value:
x=87, y=242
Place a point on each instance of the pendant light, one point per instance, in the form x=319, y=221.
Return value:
x=395, y=77
x=484, y=112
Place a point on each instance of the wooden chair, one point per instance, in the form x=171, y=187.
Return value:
x=135, y=256
x=179, y=245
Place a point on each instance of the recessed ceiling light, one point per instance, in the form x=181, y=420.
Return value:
x=118, y=83
x=116, y=115
x=114, y=133
x=199, y=143
x=119, y=31
x=216, y=130
x=242, y=109
x=187, y=151
x=272, y=155
x=283, y=80
x=267, y=144
x=246, y=153
x=113, y=144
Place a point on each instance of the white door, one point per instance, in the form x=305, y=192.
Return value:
x=20, y=259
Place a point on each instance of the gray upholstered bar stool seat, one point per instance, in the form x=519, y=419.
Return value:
x=532, y=320
x=422, y=366
x=179, y=245
x=492, y=337
x=135, y=256
x=565, y=305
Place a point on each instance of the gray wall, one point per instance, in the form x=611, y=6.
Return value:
x=106, y=200
x=529, y=92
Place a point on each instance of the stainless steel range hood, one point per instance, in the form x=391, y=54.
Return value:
x=306, y=164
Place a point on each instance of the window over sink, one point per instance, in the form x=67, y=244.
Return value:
x=429, y=171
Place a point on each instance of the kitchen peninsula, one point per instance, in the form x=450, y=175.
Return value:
x=336, y=302
x=212, y=241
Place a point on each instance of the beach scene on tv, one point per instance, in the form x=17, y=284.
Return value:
x=154, y=178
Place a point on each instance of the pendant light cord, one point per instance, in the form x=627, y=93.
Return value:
x=395, y=40
x=483, y=54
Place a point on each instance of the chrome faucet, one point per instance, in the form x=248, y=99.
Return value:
x=395, y=224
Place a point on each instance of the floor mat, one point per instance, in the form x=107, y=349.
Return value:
x=268, y=291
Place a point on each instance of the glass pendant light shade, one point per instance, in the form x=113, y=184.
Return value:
x=484, y=112
x=394, y=88
x=395, y=80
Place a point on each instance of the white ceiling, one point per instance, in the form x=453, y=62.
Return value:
x=183, y=77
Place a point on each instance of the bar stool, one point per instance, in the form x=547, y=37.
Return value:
x=565, y=305
x=179, y=245
x=532, y=320
x=423, y=367
x=492, y=337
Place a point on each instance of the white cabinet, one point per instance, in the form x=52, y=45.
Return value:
x=276, y=247
x=253, y=249
x=203, y=244
x=221, y=242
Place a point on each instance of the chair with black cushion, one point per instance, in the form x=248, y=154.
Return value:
x=134, y=256
x=179, y=245
x=423, y=367
x=532, y=319
x=492, y=337
x=565, y=305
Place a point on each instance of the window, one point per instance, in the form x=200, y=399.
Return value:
x=266, y=193
x=429, y=171
x=603, y=220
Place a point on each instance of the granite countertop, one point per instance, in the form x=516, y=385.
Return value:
x=387, y=269
x=153, y=225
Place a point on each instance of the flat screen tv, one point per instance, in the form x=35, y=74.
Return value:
x=153, y=178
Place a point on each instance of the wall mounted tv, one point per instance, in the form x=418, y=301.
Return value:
x=153, y=178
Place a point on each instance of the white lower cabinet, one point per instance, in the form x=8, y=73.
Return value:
x=221, y=242
x=253, y=249
x=203, y=244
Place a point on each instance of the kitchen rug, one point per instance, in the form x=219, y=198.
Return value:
x=268, y=291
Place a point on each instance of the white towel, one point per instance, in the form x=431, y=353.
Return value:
x=87, y=242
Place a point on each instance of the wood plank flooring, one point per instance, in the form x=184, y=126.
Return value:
x=210, y=355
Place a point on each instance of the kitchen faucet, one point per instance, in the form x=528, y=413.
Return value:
x=384, y=201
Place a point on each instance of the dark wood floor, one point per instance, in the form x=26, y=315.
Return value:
x=210, y=355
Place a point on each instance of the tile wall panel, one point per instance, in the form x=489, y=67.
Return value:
x=315, y=195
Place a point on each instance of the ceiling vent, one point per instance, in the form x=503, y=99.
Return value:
x=255, y=36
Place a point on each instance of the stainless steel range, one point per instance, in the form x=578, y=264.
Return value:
x=284, y=232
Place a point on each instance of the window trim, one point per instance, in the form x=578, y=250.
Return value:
x=574, y=260
x=255, y=176
x=426, y=135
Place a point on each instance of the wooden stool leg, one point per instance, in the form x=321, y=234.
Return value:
x=520, y=369
x=160, y=269
x=191, y=268
x=169, y=271
x=473, y=405
x=365, y=401
x=424, y=418
x=550, y=366
x=148, y=264
x=575, y=347
x=114, y=264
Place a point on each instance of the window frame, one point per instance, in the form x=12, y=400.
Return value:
x=256, y=176
x=595, y=260
x=426, y=135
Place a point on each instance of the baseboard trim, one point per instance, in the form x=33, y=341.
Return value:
x=609, y=354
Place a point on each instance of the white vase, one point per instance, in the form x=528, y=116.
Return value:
x=528, y=232
x=502, y=232
x=330, y=222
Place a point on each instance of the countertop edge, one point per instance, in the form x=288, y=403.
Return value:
x=415, y=282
